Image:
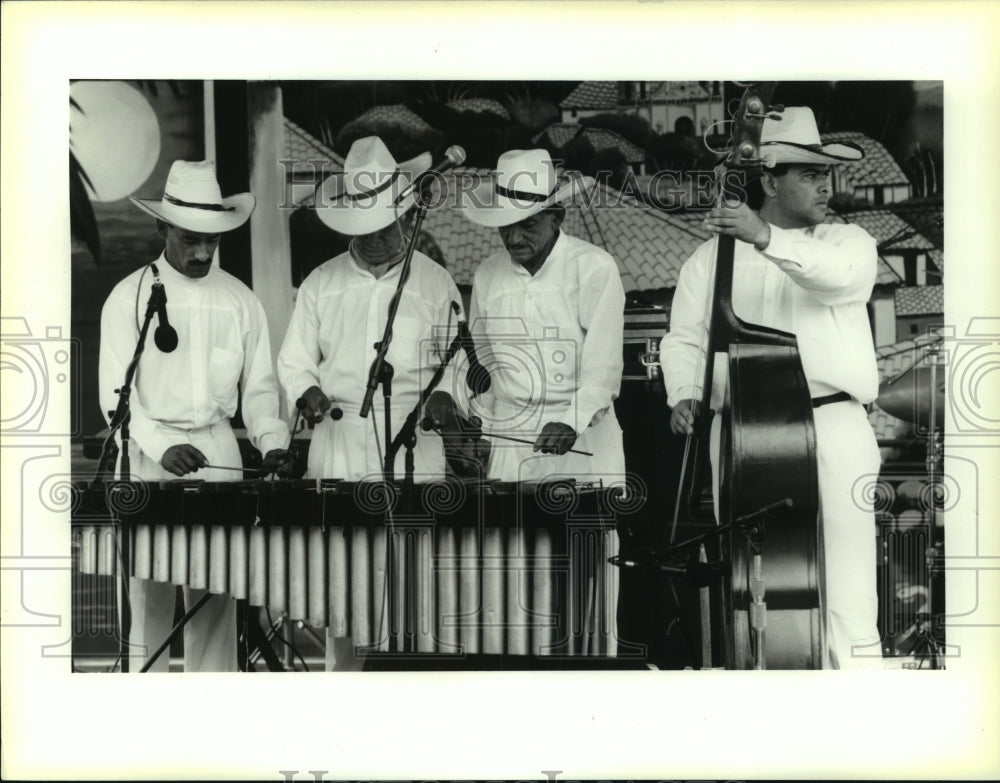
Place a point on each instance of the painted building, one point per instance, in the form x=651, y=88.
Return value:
x=689, y=108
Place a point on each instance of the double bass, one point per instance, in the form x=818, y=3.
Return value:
x=769, y=599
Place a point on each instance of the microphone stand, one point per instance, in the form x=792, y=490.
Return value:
x=381, y=371
x=926, y=645
x=119, y=421
x=121, y=415
x=407, y=435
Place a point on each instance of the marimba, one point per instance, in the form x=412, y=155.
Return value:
x=444, y=567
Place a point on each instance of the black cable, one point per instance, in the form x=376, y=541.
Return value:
x=283, y=640
x=138, y=288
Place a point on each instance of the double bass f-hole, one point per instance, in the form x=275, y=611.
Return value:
x=766, y=451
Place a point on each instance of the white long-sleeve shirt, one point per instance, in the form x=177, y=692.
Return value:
x=222, y=349
x=340, y=313
x=813, y=282
x=552, y=342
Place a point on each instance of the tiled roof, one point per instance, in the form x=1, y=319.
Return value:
x=592, y=95
x=927, y=218
x=919, y=300
x=479, y=106
x=396, y=114
x=877, y=168
x=301, y=146
x=886, y=426
x=648, y=245
x=679, y=91
x=462, y=243
x=890, y=231
x=559, y=134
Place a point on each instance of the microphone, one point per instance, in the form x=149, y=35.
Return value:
x=165, y=335
x=478, y=377
x=453, y=156
x=335, y=413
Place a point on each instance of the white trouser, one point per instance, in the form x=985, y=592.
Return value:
x=209, y=636
x=846, y=453
x=348, y=449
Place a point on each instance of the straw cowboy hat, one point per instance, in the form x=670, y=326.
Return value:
x=192, y=200
x=795, y=139
x=363, y=197
x=523, y=184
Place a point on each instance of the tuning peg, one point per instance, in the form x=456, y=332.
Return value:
x=747, y=150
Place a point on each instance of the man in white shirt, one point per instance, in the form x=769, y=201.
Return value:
x=796, y=273
x=184, y=396
x=548, y=315
x=341, y=312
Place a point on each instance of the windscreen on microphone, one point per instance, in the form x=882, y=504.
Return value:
x=165, y=336
x=477, y=377
x=453, y=156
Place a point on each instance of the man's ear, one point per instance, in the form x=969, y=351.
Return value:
x=161, y=229
x=768, y=183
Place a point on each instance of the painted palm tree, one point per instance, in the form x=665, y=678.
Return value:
x=82, y=222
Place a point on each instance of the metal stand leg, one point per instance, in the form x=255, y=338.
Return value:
x=253, y=641
x=758, y=612
x=174, y=631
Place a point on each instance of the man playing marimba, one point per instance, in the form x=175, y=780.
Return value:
x=341, y=312
x=187, y=387
x=548, y=314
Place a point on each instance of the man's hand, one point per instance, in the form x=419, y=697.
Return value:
x=740, y=222
x=440, y=409
x=317, y=404
x=683, y=415
x=280, y=461
x=182, y=459
x=555, y=438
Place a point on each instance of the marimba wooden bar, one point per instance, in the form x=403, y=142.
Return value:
x=450, y=567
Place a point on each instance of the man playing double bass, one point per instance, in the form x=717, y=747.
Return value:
x=795, y=273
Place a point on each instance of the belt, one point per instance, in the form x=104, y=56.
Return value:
x=843, y=396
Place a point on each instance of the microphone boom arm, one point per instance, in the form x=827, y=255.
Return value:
x=407, y=434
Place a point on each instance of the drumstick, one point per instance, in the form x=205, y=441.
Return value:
x=224, y=467
x=530, y=442
x=427, y=425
